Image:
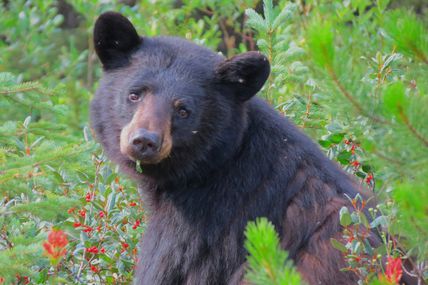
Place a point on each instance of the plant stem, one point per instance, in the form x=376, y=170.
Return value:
x=351, y=99
x=270, y=57
x=413, y=129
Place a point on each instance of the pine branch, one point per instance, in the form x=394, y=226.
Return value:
x=25, y=87
x=412, y=129
x=352, y=100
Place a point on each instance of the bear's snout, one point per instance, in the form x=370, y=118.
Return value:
x=147, y=137
x=145, y=144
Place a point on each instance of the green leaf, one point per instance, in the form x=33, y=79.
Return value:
x=268, y=12
x=345, y=217
x=325, y=143
x=338, y=245
x=256, y=21
x=27, y=122
x=337, y=137
x=138, y=167
x=379, y=221
x=344, y=157
x=285, y=15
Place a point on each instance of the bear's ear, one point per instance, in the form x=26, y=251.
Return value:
x=114, y=39
x=245, y=73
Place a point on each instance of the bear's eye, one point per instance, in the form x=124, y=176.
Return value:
x=182, y=112
x=134, y=97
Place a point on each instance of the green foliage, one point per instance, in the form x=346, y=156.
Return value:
x=321, y=43
x=267, y=263
x=275, y=40
x=367, y=102
x=413, y=216
x=363, y=259
x=408, y=34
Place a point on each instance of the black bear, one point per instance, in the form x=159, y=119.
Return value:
x=213, y=158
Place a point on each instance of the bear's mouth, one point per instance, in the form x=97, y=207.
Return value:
x=144, y=159
x=150, y=156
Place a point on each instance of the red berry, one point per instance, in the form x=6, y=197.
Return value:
x=369, y=179
x=88, y=229
x=92, y=249
x=94, y=269
x=355, y=163
x=124, y=246
x=136, y=225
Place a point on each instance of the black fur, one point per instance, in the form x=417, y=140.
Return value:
x=114, y=39
x=233, y=160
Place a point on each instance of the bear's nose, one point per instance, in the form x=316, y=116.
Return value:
x=145, y=143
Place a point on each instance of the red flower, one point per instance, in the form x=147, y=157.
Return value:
x=94, y=269
x=350, y=238
x=124, y=246
x=99, y=229
x=132, y=204
x=347, y=142
x=88, y=197
x=82, y=212
x=355, y=163
x=77, y=224
x=103, y=250
x=87, y=229
x=394, y=269
x=71, y=210
x=26, y=279
x=92, y=249
x=56, y=243
x=369, y=179
x=101, y=214
x=136, y=225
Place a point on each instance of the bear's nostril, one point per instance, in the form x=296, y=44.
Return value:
x=137, y=141
x=145, y=142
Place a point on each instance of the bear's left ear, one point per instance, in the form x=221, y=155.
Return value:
x=114, y=39
x=245, y=73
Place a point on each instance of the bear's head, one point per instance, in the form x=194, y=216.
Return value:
x=175, y=107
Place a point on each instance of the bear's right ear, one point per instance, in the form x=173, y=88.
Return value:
x=114, y=39
x=245, y=73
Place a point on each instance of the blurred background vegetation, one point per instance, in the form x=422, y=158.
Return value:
x=352, y=74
